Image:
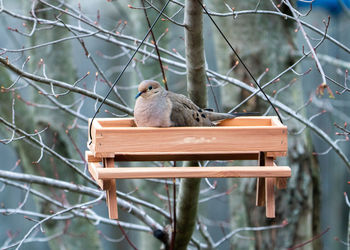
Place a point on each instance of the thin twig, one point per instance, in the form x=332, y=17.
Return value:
x=56, y=214
x=125, y=67
x=156, y=46
x=126, y=236
x=309, y=241
x=313, y=52
x=64, y=85
x=239, y=58
x=135, y=211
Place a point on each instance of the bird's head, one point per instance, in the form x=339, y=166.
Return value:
x=148, y=88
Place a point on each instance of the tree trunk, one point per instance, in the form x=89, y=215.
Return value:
x=196, y=88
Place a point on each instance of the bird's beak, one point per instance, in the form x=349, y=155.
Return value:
x=138, y=94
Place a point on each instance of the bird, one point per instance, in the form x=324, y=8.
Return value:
x=157, y=107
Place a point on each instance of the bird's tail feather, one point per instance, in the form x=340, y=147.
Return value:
x=236, y=114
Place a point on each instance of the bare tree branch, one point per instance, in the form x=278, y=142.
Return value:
x=64, y=85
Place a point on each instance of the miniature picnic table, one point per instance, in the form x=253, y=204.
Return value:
x=242, y=138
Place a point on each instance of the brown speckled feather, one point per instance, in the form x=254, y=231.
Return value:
x=185, y=113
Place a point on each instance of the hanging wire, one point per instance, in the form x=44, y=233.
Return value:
x=234, y=51
x=125, y=67
x=155, y=46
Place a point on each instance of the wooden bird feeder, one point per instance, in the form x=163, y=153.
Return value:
x=242, y=138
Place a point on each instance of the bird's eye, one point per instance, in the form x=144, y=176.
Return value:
x=150, y=87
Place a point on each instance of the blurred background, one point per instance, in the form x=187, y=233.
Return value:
x=270, y=45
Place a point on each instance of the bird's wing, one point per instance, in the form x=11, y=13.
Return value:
x=185, y=113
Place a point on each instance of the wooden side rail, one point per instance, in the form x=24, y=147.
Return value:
x=177, y=156
x=99, y=173
x=268, y=176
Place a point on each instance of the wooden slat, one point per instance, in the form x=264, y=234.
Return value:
x=260, y=184
x=199, y=140
x=260, y=192
x=276, y=154
x=281, y=183
x=247, y=121
x=111, y=193
x=270, y=197
x=171, y=156
x=191, y=172
x=119, y=122
x=270, y=190
x=93, y=170
x=89, y=157
x=254, y=136
x=275, y=121
x=238, y=121
x=186, y=156
x=104, y=185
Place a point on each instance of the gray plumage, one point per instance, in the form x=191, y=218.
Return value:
x=156, y=107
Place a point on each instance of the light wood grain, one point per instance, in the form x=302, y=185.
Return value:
x=191, y=172
x=185, y=156
x=111, y=193
x=115, y=137
x=281, y=183
x=247, y=121
x=276, y=154
x=103, y=184
x=179, y=156
x=270, y=190
x=275, y=121
x=92, y=167
x=260, y=183
x=242, y=138
x=238, y=121
x=89, y=157
x=260, y=192
x=198, y=141
x=119, y=122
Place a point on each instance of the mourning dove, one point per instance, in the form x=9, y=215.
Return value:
x=157, y=107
